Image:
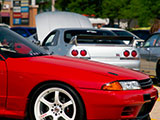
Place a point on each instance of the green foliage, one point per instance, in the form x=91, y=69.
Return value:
x=142, y=10
x=44, y=5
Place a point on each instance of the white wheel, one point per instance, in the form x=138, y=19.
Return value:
x=56, y=102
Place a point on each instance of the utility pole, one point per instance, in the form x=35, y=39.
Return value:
x=1, y=7
x=53, y=3
x=33, y=2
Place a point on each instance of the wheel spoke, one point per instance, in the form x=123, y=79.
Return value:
x=55, y=118
x=67, y=104
x=65, y=116
x=44, y=115
x=56, y=97
x=47, y=103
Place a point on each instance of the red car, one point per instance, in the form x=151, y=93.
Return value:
x=42, y=87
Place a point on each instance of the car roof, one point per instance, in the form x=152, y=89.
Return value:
x=48, y=21
x=110, y=28
x=82, y=29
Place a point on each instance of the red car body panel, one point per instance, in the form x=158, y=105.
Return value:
x=21, y=75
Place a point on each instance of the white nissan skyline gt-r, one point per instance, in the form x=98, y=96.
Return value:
x=77, y=38
x=92, y=44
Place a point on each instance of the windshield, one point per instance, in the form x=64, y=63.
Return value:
x=70, y=33
x=123, y=33
x=14, y=46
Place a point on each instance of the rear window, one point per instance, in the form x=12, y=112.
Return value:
x=99, y=41
x=32, y=31
x=122, y=33
x=70, y=33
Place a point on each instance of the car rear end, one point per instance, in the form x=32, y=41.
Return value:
x=112, y=51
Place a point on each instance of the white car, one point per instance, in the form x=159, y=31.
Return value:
x=137, y=42
x=87, y=43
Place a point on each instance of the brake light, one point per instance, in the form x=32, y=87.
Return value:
x=74, y=52
x=126, y=53
x=134, y=53
x=83, y=52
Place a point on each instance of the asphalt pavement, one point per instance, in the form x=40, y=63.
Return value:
x=155, y=113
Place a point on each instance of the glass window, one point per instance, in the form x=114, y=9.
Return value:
x=151, y=41
x=32, y=30
x=158, y=42
x=122, y=33
x=51, y=39
x=21, y=32
x=13, y=45
x=70, y=33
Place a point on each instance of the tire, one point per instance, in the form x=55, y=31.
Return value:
x=147, y=118
x=55, y=101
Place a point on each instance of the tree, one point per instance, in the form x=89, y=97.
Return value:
x=142, y=10
x=44, y=5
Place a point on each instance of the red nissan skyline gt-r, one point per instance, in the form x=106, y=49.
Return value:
x=38, y=86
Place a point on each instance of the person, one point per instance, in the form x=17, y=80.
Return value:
x=156, y=26
x=99, y=26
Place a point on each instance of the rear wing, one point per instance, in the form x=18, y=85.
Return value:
x=106, y=37
x=100, y=39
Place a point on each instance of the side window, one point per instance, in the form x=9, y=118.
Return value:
x=51, y=40
x=158, y=42
x=151, y=41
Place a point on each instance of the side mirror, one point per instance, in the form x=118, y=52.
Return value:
x=73, y=41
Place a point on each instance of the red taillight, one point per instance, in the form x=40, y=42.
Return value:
x=74, y=52
x=134, y=53
x=83, y=52
x=126, y=53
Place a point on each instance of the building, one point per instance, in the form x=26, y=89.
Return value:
x=18, y=12
x=5, y=11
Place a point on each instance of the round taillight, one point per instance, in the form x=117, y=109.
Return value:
x=83, y=52
x=74, y=52
x=126, y=53
x=134, y=53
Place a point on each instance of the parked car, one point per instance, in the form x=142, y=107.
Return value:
x=150, y=56
x=46, y=22
x=137, y=42
x=40, y=86
x=24, y=31
x=143, y=34
x=59, y=42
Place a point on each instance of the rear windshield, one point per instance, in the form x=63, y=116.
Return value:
x=122, y=33
x=99, y=41
x=70, y=33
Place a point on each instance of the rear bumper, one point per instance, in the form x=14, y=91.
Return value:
x=130, y=64
x=118, y=105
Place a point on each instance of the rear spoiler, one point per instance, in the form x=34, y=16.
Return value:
x=74, y=39
x=106, y=37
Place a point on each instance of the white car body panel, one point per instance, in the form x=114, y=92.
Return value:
x=109, y=54
x=46, y=22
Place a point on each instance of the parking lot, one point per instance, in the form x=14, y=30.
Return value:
x=155, y=112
